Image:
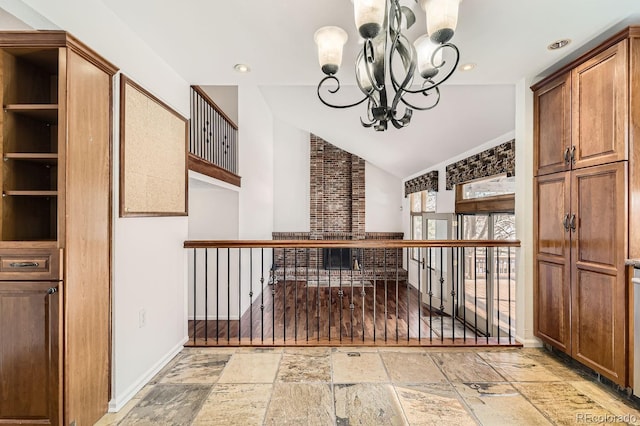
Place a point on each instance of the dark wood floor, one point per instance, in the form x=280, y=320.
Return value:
x=320, y=315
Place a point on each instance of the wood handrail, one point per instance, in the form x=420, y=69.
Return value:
x=348, y=243
x=210, y=101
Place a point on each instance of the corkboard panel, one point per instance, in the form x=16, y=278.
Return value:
x=153, y=155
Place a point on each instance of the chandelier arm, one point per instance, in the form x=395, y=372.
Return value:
x=332, y=77
x=434, y=84
x=404, y=121
x=436, y=91
x=369, y=63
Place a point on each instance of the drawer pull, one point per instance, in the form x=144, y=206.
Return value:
x=24, y=264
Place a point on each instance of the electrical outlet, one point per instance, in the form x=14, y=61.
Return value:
x=142, y=318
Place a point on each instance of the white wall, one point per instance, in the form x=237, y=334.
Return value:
x=524, y=213
x=291, y=176
x=383, y=201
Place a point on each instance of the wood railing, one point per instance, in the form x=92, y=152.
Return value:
x=213, y=141
x=389, y=292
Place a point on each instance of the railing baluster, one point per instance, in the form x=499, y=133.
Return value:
x=251, y=295
x=441, y=295
x=318, y=289
x=306, y=297
x=272, y=278
x=475, y=291
x=217, y=295
x=430, y=294
x=329, y=274
x=340, y=294
x=509, y=288
x=408, y=301
x=206, y=294
x=228, y=294
x=239, y=294
x=262, y=294
x=284, y=298
x=464, y=295
x=497, y=249
x=351, y=305
x=419, y=292
x=195, y=317
x=386, y=292
x=375, y=296
x=487, y=293
x=452, y=293
x=295, y=283
x=362, y=291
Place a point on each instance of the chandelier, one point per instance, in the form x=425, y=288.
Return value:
x=380, y=23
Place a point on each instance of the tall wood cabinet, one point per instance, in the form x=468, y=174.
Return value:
x=585, y=148
x=55, y=230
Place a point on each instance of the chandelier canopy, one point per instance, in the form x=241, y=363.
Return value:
x=380, y=24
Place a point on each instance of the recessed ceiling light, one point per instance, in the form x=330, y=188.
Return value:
x=467, y=67
x=559, y=44
x=243, y=68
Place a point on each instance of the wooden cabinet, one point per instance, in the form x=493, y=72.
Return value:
x=581, y=115
x=552, y=131
x=552, y=288
x=55, y=228
x=583, y=156
x=599, y=107
x=30, y=352
x=598, y=284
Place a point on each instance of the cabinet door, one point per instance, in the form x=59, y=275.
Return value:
x=599, y=202
x=552, y=295
x=29, y=353
x=600, y=108
x=552, y=126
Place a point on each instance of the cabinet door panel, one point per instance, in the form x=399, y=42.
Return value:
x=599, y=201
x=551, y=290
x=552, y=125
x=552, y=299
x=600, y=108
x=29, y=325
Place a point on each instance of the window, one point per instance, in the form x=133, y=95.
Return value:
x=486, y=195
x=489, y=187
x=489, y=275
x=421, y=202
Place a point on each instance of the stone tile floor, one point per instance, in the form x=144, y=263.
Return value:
x=372, y=386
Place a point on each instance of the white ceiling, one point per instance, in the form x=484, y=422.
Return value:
x=507, y=39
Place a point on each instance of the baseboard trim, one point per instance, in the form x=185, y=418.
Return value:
x=120, y=401
x=530, y=343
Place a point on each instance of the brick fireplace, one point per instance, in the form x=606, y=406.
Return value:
x=337, y=212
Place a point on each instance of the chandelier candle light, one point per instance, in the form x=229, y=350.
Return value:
x=380, y=24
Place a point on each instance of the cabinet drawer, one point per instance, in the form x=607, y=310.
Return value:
x=30, y=264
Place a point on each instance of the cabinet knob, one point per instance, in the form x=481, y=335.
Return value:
x=573, y=154
x=565, y=222
x=52, y=290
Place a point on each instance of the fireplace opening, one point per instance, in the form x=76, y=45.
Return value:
x=337, y=258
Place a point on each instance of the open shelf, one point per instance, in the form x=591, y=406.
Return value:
x=31, y=193
x=44, y=112
x=38, y=157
